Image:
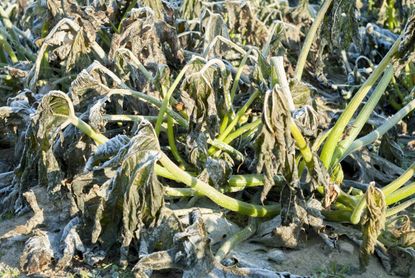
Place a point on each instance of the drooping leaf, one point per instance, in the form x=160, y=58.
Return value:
x=38, y=164
x=152, y=41
x=341, y=26
x=406, y=51
x=373, y=222
x=276, y=153
x=135, y=196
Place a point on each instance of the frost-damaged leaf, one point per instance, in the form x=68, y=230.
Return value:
x=91, y=84
x=243, y=20
x=70, y=242
x=106, y=151
x=37, y=254
x=152, y=41
x=191, y=254
x=276, y=149
x=200, y=98
x=218, y=171
x=341, y=26
x=406, y=51
x=373, y=222
x=38, y=164
x=214, y=25
x=191, y=9
x=201, y=93
x=14, y=120
x=135, y=195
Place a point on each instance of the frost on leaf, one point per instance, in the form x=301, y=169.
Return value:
x=134, y=196
x=38, y=164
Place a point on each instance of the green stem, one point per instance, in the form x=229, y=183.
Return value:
x=23, y=52
x=337, y=215
x=238, y=116
x=234, y=122
x=364, y=114
x=230, y=114
x=87, y=129
x=250, y=180
x=400, y=194
x=167, y=97
x=152, y=100
x=358, y=211
x=172, y=171
x=8, y=49
x=227, y=148
x=180, y=192
x=396, y=209
x=246, y=180
x=237, y=238
x=232, y=136
x=302, y=145
x=8, y=24
x=129, y=118
x=380, y=131
x=399, y=182
x=217, y=197
x=162, y=172
x=172, y=141
x=338, y=129
x=310, y=38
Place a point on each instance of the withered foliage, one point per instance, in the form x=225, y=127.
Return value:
x=94, y=95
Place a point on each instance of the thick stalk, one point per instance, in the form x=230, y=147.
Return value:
x=162, y=172
x=234, y=122
x=237, y=238
x=172, y=141
x=302, y=145
x=87, y=129
x=278, y=63
x=177, y=117
x=358, y=211
x=364, y=114
x=180, y=192
x=129, y=118
x=396, y=209
x=338, y=129
x=220, y=145
x=380, y=131
x=232, y=136
x=400, y=194
x=399, y=182
x=217, y=197
x=246, y=180
x=310, y=38
x=8, y=49
x=167, y=97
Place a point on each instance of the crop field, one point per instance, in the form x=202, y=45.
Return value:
x=207, y=138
